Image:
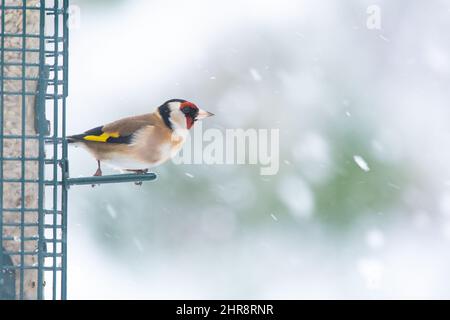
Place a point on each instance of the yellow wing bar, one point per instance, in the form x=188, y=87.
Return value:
x=103, y=137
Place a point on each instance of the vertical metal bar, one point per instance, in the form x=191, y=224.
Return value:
x=64, y=154
x=2, y=53
x=41, y=123
x=55, y=146
x=66, y=48
x=22, y=169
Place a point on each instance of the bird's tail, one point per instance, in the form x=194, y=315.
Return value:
x=75, y=138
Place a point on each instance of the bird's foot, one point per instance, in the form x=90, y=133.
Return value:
x=138, y=171
x=143, y=171
x=98, y=173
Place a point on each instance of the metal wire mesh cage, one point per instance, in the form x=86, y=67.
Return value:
x=33, y=154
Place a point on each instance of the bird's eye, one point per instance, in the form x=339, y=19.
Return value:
x=186, y=110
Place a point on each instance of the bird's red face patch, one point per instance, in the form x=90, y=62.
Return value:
x=190, y=111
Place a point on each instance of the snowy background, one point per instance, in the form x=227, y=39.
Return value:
x=361, y=205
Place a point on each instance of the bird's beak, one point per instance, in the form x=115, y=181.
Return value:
x=202, y=114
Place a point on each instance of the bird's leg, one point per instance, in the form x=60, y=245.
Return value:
x=98, y=173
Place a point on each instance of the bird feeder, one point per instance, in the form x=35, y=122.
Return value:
x=34, y=168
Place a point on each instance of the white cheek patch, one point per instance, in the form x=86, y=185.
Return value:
x=178, y=120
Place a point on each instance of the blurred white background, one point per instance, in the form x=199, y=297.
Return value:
x=343, y=96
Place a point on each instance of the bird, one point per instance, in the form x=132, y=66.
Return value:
x=138, y=143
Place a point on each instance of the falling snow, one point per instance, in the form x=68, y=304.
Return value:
x=375, y=239
x=361, y=163
x=393, y=186
x=371, y=271
x=402, y=257
x=384, y=38
x=111, y=211
x=138, y=244
x=298, y=196
x=255, y=74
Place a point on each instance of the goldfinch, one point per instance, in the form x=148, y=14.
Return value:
x=135, y=144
